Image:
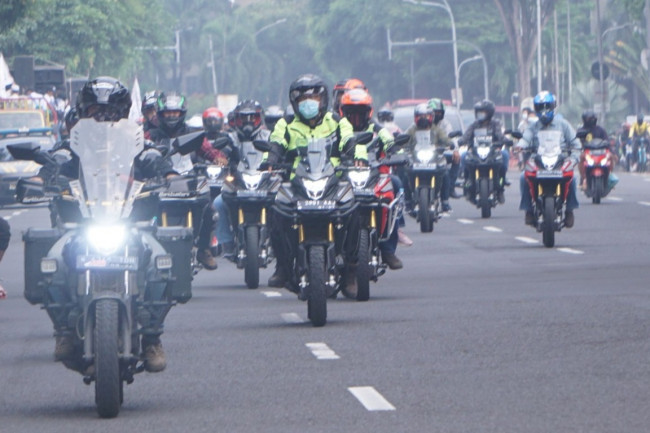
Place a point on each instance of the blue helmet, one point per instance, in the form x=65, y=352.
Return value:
x=544, y=104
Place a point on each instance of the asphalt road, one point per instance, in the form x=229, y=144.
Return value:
x=484, y=330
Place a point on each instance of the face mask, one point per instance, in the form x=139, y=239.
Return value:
x=308, y=108
x=481, y=116
x=524, y=117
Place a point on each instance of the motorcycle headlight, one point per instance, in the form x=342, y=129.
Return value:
x=213, y=171
x=424, y=155
x=106, y=239
x=589, y=160
x=315, y=188
x=359, y=178
x=604, y=162
x=252, y=181
x=549, y=162
x=483, y=152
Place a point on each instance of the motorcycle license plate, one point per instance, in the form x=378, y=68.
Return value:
x=428, y=166
x=116, y=263
x=549, y=174
x=316, y=204
x=251, y=193
x=364, y=192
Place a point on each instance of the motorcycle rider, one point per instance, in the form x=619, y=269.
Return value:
x=106, y=100
x=423, y=121
x=272, y=115
x=638, y=131
x=545, y=104
x=356, y=107
x=248, y=126
x=149, y=115
x=171, y=113
x=439, y=120
x=483, y=111
x=212, y=124
x=386, y=118
x=5, y=236
x=592, y=130
x=340, y=88
x=308, y=95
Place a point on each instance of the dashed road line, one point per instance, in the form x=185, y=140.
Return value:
x=370, y=398
x=492, y=229
x=292, y=318
x=322, y=351
x=644, y=203
x=271, y=294
x=570, y=251
x=465, y=221
x=526, y=240
x=614, y=198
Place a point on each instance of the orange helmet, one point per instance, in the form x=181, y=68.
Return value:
x=356, y=106
x=343, y=86
x=212, y=120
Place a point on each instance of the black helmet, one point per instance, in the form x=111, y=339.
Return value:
x=639, y=118
x=438, y=108
x=247, y=117
x=385, y=115
x=485, y=106
x=589, y=119
x=149, y=102
x=423, y=116
x=271, y=116
x=304, y=86
x=171, y=112
x=104, y=99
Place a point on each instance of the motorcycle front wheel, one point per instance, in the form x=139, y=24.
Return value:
x=252, y=268
x=484, y=198
x=548, y=233
x=317, y=296
x=424, y=213
x=108, y=383
x=598, y=189
x=364, y=270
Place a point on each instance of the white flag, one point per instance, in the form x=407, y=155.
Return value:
x=136, y=102
x=5, y=77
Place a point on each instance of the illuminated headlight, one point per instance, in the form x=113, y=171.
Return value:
x=590, y=160
x=106, y=239
x=359, y=178
x=48, y=265
x=604, y=162
x=549, y=161
x=424, y=155
x=213, y=171
x=315, y=188
x=164, y=262
x=483, y=152
x=252, y=181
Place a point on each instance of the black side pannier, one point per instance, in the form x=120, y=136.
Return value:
x=178, y=242
x=38, y=243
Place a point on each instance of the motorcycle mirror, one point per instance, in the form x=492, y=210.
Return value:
x=454, y=134
x=188, y=143
x=262, y=145
x=26, y=151
x=221, y=142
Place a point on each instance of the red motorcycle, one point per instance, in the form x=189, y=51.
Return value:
x=597, y=168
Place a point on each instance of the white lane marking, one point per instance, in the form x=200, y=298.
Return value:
x=271, y=294
x=292, y=318
x=370, y=398
x=644, y=203
x=7, y=217
x=614, y=198
x=322, y=351
x=492, y=229
x=465, y=221
x=526, y=240
x=570, y=251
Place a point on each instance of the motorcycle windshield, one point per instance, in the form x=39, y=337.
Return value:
x=316, y=163
x=549, y=144
x=251, y=158
x=106, y=152
x=482, y=138
x=182, y=163
x=422, y=140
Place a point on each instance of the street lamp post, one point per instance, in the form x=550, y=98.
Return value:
x=445, y=5
x=485, y=70
x=266, y=27
x=514, y=96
